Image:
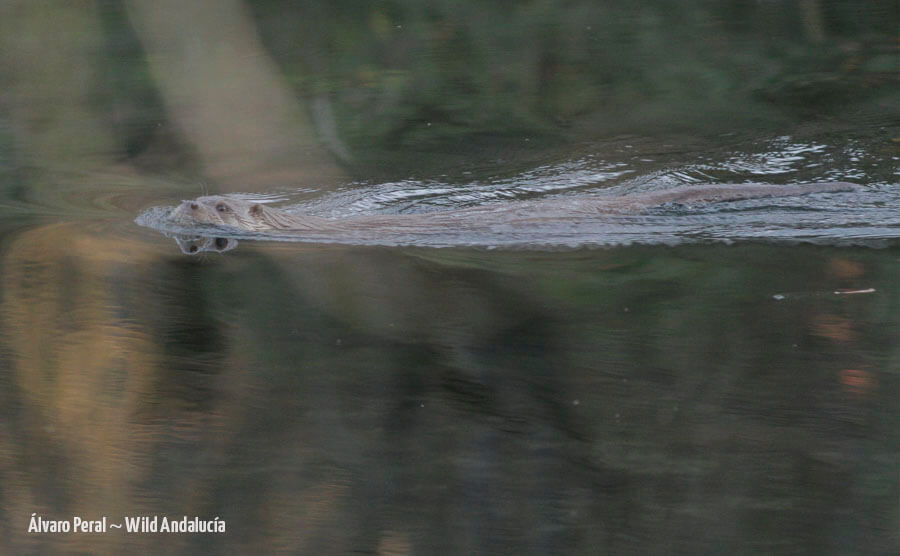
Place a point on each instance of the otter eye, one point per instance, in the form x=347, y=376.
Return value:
x=194, y=206
x=221, y=207
x=221, y=243
x=193, y=249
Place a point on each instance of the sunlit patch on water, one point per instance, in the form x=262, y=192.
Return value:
x=783, y=157
x=787, y=159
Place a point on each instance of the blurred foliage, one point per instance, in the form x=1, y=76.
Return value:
x=400, y=75
x=404, y=73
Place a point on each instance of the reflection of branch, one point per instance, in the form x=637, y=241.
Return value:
x=226, y=95
x=323, y=118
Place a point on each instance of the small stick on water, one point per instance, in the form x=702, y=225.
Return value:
x=801, y=295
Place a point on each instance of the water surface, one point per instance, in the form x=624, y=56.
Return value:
x=689, y=380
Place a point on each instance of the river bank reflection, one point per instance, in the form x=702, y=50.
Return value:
x=626, y=400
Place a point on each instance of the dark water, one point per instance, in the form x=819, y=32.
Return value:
x=689, y=380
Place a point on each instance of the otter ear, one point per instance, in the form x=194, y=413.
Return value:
x=256, y=210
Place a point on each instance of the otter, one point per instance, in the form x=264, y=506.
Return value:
x=249, y=216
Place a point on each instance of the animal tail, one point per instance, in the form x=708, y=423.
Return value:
x=737, y=192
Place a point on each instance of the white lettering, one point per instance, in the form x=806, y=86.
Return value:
x=132, y=524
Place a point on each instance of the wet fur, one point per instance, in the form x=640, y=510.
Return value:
x=252, y=216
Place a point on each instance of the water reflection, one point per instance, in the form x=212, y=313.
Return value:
x=196, y=245
x=626, y=401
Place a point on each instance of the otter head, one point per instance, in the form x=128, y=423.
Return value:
x=224, y=211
